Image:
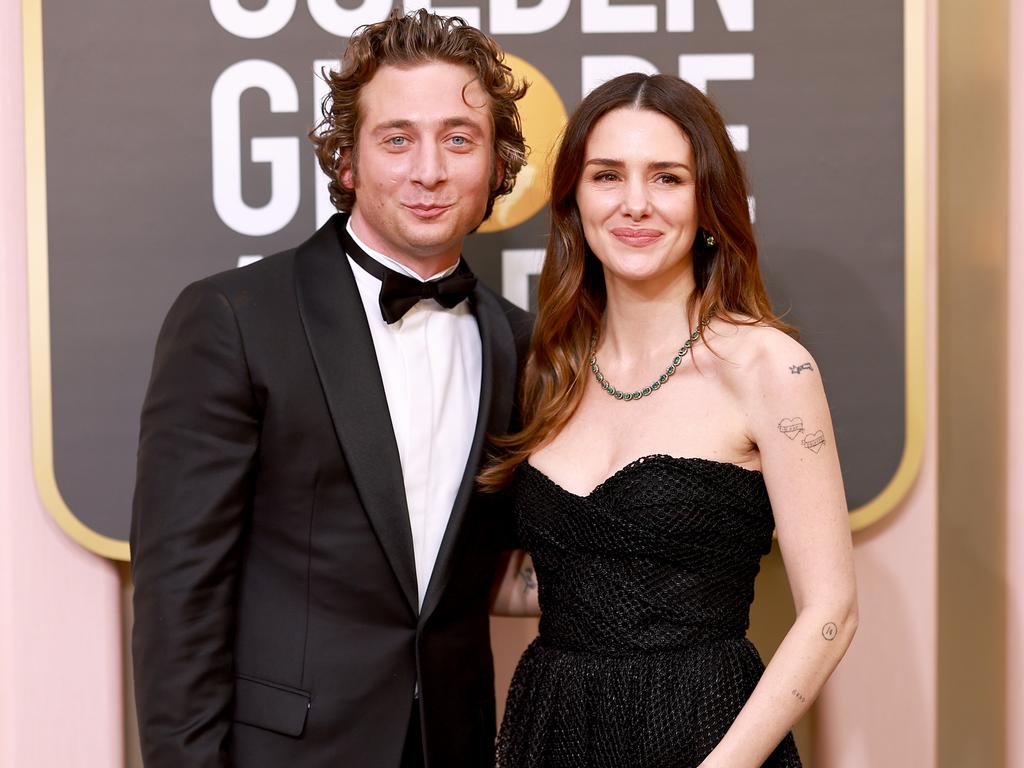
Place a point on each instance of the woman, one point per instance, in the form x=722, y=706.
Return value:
x=670, y=424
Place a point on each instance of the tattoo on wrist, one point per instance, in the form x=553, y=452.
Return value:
x=800, y=696
x=800, y=368
x=794, y=427
x=829, y=631
x=529, y=578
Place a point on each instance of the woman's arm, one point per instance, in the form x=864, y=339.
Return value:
x=515, y=589
x=790, y=423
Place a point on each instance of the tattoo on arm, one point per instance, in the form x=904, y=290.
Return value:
x=813, y=441
x=829, y=631
x=791, y=428
x=800, y=696
x=800, y=368
x=529, y=578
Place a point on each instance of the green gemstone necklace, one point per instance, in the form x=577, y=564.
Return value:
x=655, y=385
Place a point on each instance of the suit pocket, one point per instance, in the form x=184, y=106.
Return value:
x=272, y=706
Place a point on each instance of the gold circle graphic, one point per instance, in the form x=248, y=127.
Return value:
x=543, y=115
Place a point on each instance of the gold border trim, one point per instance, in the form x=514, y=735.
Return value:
x=39, y=294
x=915, y=201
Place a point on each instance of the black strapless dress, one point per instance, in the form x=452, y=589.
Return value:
x=645, y=588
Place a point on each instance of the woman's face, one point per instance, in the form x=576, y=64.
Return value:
x=637, y=195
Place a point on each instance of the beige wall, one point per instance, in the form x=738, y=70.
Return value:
x=972, y=252
x=1015, y=401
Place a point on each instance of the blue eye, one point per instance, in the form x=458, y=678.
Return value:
x=459, y=141
x=397, y=141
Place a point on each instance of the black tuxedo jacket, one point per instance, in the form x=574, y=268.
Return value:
x=276, y=620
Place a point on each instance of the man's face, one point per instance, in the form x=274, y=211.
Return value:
x=425, y=163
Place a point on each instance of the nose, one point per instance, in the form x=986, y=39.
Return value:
x=636, y=203
x=429, y=167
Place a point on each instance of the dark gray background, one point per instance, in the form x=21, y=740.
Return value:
x=131, y=217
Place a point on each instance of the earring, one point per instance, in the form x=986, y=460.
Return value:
x=709, y=239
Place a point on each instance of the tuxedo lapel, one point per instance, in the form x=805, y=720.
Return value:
x=497, y=394
x=343, y=352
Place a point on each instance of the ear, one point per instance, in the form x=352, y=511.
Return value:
x=346, y=173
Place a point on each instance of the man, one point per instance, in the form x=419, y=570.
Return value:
x=312, y=569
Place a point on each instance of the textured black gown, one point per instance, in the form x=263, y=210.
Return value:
x=645, y=591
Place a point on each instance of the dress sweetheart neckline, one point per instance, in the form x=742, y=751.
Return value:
x=637, y=462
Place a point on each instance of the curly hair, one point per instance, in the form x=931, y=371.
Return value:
x=408, y=40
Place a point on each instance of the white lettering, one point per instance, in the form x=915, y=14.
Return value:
x=517, y=265
x=344, y=21
x=469, y=13
x=600, y=69
x=281, y=152
x=701, y=68
x=602, y=16
x=740, y=137
x=239, y=21
x=738, y=15
x=507, y=18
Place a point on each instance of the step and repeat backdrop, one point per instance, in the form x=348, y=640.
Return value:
x=167, y=142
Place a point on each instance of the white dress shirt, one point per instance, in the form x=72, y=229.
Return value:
x=430, y=362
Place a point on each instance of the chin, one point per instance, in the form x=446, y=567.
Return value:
x=427, y=242
x=635, y=266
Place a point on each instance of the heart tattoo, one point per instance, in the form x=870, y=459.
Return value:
x=791, y=427
x=813, y=441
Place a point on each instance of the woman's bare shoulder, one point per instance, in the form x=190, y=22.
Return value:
x=755, y=348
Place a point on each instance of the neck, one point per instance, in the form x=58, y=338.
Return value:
x=424, y=262
x=643, y=320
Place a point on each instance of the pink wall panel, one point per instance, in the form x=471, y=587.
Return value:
x=60, y=648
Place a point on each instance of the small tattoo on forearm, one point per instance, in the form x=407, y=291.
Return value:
x=529, y=578
x=800, y=368
x=829, y=631
x=813, y=441
x=791, y=427
x=800, y=696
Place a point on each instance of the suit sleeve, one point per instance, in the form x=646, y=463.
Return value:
x=198, y=441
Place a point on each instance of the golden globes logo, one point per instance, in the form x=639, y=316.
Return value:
x=543, y=115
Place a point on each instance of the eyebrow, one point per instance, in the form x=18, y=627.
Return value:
x=448, y=122
x=660, y=165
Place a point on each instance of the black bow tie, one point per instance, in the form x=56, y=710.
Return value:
x=399, y=293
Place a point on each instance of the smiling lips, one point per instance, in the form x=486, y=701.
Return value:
x=427, y=211
x=637, y=238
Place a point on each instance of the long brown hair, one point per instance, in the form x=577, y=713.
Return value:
x=409, y=40
x=571, y=290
